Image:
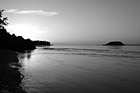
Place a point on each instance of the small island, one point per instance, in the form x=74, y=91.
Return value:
x=115, y=43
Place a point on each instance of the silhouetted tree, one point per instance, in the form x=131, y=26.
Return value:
x=12, y=42
x=2, y=20
x=41, y=43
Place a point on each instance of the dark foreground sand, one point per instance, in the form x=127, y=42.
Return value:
x=10, y=76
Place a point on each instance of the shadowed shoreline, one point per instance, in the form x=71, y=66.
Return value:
x=10, y=76
x=10, y=45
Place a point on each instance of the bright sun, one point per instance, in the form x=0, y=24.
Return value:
x=25, y=30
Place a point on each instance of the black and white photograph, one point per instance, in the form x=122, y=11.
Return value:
x=69, y=46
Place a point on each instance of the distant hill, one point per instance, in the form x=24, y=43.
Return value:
x=41, y=43
x=13, y=42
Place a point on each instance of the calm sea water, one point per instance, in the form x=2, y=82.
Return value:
x=82, y=69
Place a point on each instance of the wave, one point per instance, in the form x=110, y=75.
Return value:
x=73, y=49
x=94, y=52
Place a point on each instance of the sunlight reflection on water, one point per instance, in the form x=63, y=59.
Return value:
x=63, y=70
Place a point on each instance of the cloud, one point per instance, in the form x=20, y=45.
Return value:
x=11, y=10
x=35, y=12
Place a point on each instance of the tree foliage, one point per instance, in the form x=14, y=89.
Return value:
x=3, y=20
x=12, y=42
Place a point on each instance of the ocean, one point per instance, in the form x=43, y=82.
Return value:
x=81, y=69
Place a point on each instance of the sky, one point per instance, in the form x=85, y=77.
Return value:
x=74, y=21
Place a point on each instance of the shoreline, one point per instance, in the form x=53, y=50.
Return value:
x=11, y=77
